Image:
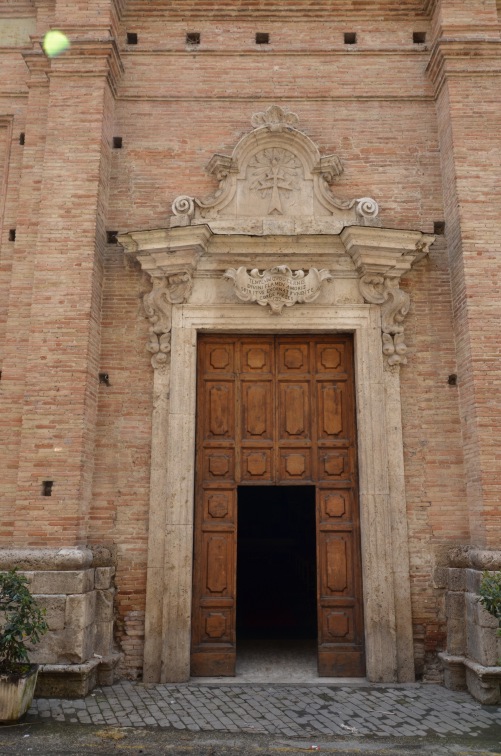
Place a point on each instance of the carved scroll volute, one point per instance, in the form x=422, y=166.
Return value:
x=395, y=305
x=167, y=290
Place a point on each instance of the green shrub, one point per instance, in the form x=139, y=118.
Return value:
x=490, y=594
x=21, y=622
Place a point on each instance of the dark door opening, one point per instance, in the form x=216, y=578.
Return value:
x=276, y=563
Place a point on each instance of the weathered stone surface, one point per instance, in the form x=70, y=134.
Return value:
x=454, y=671
x=440, y=577
x=45, y=559
x=456, y=635
x=487, y=693
x=485, y=619
x=481, y=644
x=103, y=643
x=104, y=606
x=66, y=680
x=456, y=579
x=103, y=577
x=55, y=608
x=68, y=582
x=80, y=610
x=454, y=605
x=473, y=578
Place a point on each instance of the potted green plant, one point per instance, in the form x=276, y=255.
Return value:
x=490, y=595
x=21, y=622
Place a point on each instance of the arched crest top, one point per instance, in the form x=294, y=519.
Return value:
x=275, y=181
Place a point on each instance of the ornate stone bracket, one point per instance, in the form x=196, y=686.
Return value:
x=170, y=257
x=381, y=258
x=277, y=287
x=395, y=305
x=168, y=290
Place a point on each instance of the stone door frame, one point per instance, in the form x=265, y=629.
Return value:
x=188, y=266
x=385, y=562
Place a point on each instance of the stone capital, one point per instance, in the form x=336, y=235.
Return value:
x=453, y=56
x=92, y=56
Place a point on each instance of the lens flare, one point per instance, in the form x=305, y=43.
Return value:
x=54, y=43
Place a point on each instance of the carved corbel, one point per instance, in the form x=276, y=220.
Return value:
x=395, y=303
x=174, y=288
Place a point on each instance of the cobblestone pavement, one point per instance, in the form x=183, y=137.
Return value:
x=285, y=710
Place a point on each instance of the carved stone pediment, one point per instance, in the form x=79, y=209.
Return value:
x=275, y=181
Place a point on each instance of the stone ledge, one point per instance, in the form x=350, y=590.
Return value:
x=67, y=680
x=46, y=559
x=486, y=674
x=76, y=680
x=470, y=556
x=484, y=683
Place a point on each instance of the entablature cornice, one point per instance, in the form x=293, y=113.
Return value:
x=452, y=57
x=378, y=257
x=162, y=251
x=93, y=53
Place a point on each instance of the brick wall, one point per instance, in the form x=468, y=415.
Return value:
x=374, y=105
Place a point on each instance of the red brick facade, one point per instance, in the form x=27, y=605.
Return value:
x=417, y=126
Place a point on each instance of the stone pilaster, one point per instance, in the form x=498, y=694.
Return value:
x=465, y=67
x=62, y=353
x=170, y=256
x=19, y=294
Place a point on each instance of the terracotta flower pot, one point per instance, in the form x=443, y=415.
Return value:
x=16, y=693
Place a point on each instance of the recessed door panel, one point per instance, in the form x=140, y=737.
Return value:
x=257, y=410
x=294, y=408
x=276, y=410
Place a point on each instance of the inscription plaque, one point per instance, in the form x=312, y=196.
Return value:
x=277, y=287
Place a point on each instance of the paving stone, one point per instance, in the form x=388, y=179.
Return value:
x=290, y=710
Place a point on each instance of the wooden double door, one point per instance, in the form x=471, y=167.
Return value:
x=276, y=410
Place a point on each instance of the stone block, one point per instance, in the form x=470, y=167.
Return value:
x=481, y=644
x=70, y=581
x=487, y=693
x=66, y=680
x=104, y=605
x=455, y=678
x=80, y=644
x=454, y=605
x=103, y=642
x=68, y=646
x=106, y=672
x=80, y=610
x=473, y=578
x=103, y=576
x=50, y=649
x=454, y=671
x=55, y=608
x=456, y=636
x=485, y=619
x=471, y=606
x=440, y=577
x=456, y=579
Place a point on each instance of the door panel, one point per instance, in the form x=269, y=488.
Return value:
x=276, y=410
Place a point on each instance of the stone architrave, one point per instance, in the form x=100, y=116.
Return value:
x=277, y=287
